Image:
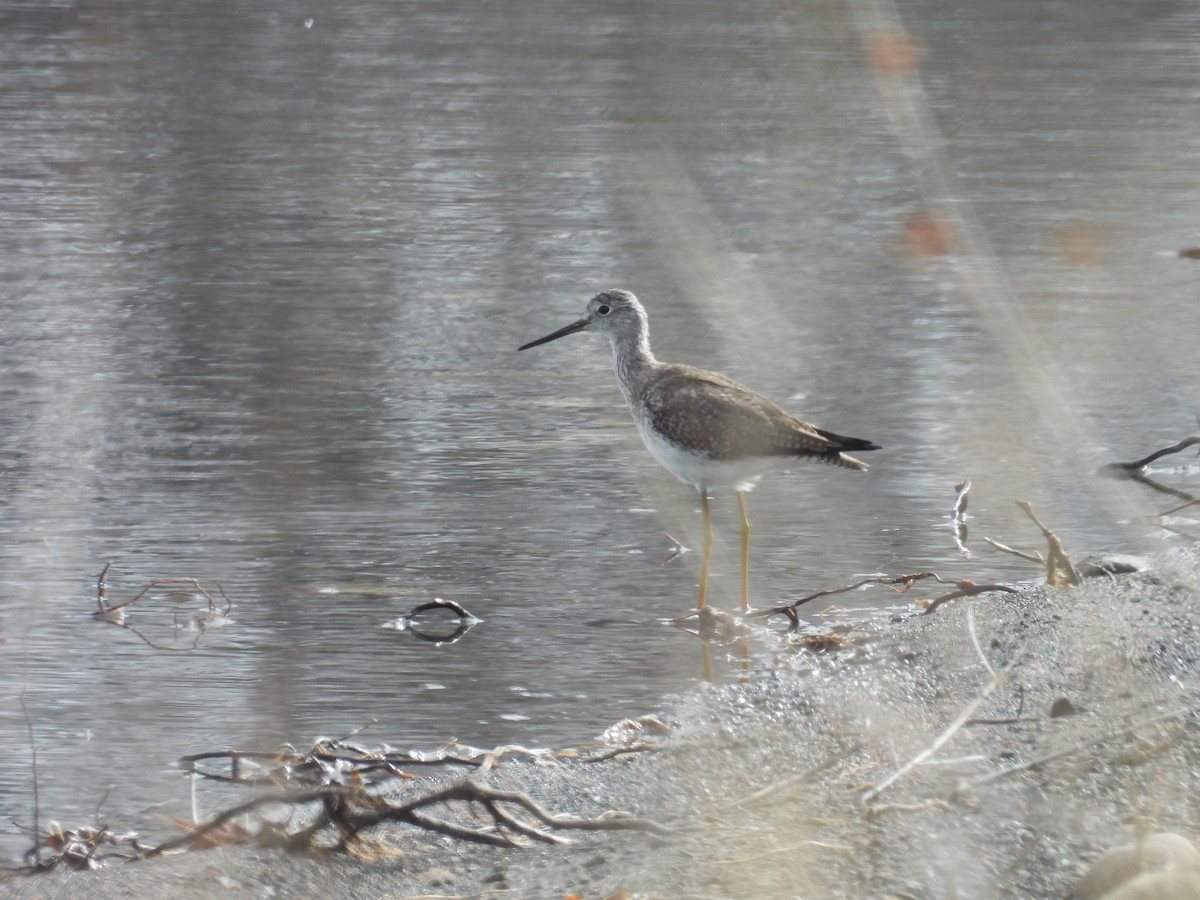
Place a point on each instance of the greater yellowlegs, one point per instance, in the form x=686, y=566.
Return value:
x=707, y=430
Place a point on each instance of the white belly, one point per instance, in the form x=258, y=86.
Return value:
x=700, y=471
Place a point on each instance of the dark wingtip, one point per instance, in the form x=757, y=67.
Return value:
x=849, y=443
x=841, y=442
x=839, y=455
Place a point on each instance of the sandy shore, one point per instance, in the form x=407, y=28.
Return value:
x=1020, y=780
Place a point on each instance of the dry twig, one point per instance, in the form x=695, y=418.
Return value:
x=975, y=641
x=328, y=761
x=677, y=548
x=1157, y=454
x=1029, y=557
x=1059, y=570
x=777, y=791
x=351, y=811
x=332, y=796
x=964, y=587
x=1135, y=471
x=897, y=583
x=963, y=717
x=1032, y=764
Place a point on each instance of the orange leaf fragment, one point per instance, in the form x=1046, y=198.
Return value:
x=892, y=53
x=925, y=234
x=1081, y=244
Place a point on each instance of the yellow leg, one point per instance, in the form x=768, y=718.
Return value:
x=745, y=552
x=707, y=556
x=706, y=663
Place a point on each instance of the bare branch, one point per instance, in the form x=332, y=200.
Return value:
x=1078, y=748
x=898, y=583
x=993, y=683
x=1158, y=454
x=1059, y=570
x=967, y=588
x=1004, y=548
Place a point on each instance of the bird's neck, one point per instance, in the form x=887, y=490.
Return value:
x=634, y=362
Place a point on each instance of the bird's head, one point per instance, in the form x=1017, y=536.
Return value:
x=612, y=312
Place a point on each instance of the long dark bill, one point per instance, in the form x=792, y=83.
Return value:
x=562, y=332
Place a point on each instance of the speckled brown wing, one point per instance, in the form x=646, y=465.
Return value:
x=724, y=420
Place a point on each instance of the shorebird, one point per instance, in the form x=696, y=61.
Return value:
x=705, y=429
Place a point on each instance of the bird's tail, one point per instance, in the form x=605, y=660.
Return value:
x=836, y=454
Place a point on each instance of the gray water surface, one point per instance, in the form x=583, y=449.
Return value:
x=262, y=285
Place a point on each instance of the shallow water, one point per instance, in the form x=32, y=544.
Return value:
x=263, y=285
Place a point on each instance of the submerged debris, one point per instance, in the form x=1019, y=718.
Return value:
x=897, y=583
x=412, y=623
x=1169, y=520
x=338, y=793
x=209, y=618
x=958, y=518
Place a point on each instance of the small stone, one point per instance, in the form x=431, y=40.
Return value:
x=1123, y=867
x=1112, y=564
x=437, y=876
x=1183, y=885
x=1063, y=707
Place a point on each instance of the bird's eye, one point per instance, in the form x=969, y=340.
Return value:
x=603, y=310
